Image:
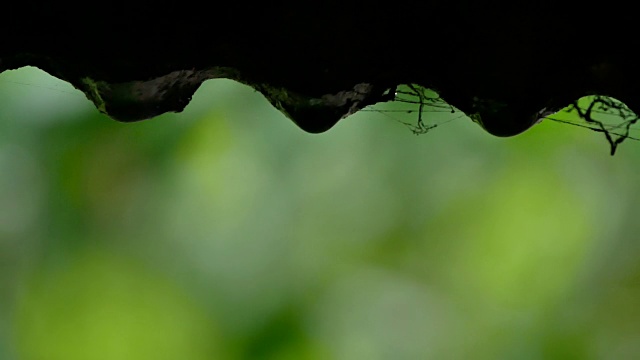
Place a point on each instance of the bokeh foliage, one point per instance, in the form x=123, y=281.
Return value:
x=226, y=232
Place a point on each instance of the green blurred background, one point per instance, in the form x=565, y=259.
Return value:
x=225, y=232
